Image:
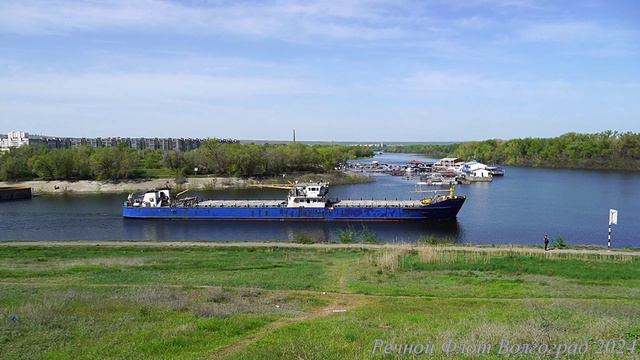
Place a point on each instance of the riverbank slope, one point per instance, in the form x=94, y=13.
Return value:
x=41, y=187
x=268, y=302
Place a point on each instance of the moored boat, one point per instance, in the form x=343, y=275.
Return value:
x=8, y=193
x=495, y=170
x=436, y=179
x=305, y=202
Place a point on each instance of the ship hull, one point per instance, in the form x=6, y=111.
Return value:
x=443, y=210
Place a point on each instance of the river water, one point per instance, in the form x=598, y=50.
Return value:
x=516, y=209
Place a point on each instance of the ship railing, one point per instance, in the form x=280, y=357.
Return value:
x=451, y=191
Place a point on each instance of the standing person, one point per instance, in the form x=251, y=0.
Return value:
x=546, y=242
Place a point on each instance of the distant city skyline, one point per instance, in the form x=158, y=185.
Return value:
x=354, y=70
x=19, y=138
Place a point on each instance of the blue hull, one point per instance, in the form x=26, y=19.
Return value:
x=443, y=210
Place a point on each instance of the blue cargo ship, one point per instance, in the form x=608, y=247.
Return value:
x=306, y=202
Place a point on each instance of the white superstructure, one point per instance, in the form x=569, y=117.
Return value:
x=155, y=198
x=310, y=195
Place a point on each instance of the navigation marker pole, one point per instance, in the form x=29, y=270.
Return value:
x=613, y=220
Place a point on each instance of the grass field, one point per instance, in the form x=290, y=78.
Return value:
x=156, y=173
x=311, y=303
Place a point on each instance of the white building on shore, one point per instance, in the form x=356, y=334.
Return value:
x=477, y=171
x=454, y=164
x=14, y=139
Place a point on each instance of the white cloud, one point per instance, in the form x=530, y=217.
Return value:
x=583, y=38
x=363, y=21
x=349, y=19
x=177, y=62
x=442, y=81
x=450, y=84
x=561, y=31
x=475, y=22
x=145, y=86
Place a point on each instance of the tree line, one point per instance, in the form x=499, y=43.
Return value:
x=434, y=150
x=604, y=150
x=213, y=157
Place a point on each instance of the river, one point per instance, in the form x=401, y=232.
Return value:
x=516, y=209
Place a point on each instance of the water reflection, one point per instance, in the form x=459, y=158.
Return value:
x=202, y=230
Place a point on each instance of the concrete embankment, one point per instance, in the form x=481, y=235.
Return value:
x=8, y=193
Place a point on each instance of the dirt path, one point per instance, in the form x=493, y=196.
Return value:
x=248, y=244
x=234, y=348
x=340, y=273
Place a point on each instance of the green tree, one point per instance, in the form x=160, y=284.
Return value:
x=605, y=150
x=152, y=159
x=176, y=161
x=16, y=163
x=114, y=163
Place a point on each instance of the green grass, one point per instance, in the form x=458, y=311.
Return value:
x=566, y=267
x=132, y=322
x=469, y=274
x=271, y=303
x=267, y=268
x=436, y=321
x=156, y=173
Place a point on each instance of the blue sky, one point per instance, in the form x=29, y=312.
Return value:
x=333, y=70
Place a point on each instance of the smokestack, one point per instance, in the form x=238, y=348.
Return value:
x=294, y=136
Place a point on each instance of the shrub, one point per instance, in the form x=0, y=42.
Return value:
x=347, y=236
x=390, y=259
x=558, y=243
x=434, y=240
x=302, y=238
x=368, y=236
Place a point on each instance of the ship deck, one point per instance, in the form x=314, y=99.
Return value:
x=378, y=203
x=340, y=204
x=242, y=203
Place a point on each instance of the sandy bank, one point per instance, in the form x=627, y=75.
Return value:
x=41, y=187
x=90, y=187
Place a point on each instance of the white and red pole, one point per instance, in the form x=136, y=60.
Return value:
x=613, y=220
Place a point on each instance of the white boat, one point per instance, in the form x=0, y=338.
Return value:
x=479, y=175
x=496, y=170
x=438, y=180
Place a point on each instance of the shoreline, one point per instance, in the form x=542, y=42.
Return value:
x=521, y=249
x=66, y=187
x=633, y=169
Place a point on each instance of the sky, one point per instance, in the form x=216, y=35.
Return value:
x=349, y=70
